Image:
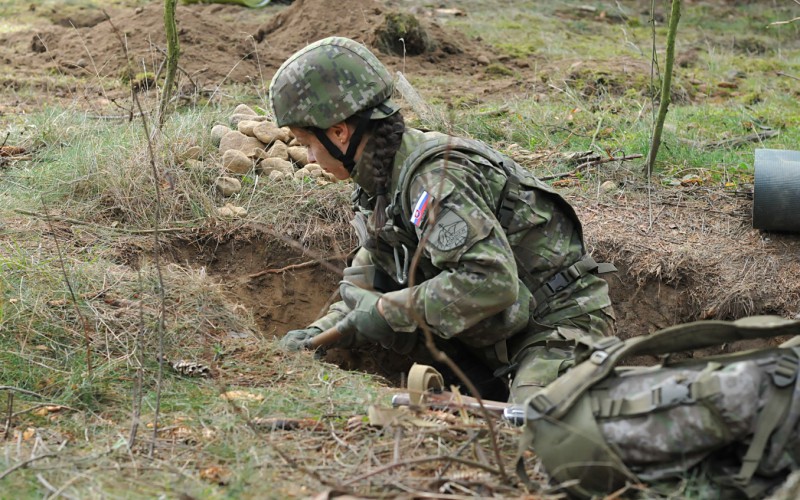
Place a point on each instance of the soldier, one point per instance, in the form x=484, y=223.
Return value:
x=501, y=270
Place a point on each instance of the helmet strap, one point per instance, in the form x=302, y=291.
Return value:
x=348, y=158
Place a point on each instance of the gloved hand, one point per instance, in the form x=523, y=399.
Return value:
x=295, y=340
x=364, y=318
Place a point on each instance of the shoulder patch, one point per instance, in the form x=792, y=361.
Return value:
x=421, y=209
x=449, y=232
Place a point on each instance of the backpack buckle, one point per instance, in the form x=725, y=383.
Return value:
x=785, y=370
x=671, y=393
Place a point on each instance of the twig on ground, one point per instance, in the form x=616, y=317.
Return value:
x=590, y=164
x=21, y=391
x=422, y=460
x=777, y=23
x=292, y=267
x=42, y=405
x=781, y=73
x=97, y=226
x=24, y=464
x=734, y=141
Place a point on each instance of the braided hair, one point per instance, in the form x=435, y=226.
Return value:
x=387, y=135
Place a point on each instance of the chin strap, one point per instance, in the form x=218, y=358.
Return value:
x=348, y=157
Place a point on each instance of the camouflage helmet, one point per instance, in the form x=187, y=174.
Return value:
x=329, y=81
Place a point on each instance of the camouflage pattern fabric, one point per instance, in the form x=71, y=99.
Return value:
x=600, y=426
x=467, y=285
x=329, y=81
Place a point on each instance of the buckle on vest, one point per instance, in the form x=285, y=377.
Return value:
x=557, y=283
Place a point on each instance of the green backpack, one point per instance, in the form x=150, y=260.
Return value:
x=601, y=426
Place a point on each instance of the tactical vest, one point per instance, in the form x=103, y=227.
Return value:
x=600, y=426
x=400, y=234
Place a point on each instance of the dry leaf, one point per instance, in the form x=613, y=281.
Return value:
x=241, y=396
x=216, y=474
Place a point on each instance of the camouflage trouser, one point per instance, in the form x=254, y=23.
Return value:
x=547, y=352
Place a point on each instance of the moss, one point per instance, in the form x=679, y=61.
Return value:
x=143, y=81
x=498, y=69
x=403, y=34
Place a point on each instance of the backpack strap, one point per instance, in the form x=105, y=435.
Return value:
x=595, y=359
x=784, y=378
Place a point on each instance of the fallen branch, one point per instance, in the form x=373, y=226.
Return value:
x=734, y=141
x=777, y=23
x=22, y=391
x=292, y=267
x=588, y=164
x=781, y=73
x=422, y=460
x=97, y=226
x=25, y=464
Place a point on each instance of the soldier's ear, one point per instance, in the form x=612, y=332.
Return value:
x=340, y=134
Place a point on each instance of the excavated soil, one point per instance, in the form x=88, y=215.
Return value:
x=222, y=44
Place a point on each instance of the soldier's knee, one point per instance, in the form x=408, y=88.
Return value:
x=538, y=367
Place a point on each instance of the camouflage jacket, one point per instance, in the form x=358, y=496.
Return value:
x=467, y=283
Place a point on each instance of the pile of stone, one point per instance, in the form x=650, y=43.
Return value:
x=255, y=145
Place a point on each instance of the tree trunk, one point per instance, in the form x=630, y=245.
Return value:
x=655, y=142
x=173, y=51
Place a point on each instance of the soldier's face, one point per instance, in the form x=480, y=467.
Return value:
x=317, y=152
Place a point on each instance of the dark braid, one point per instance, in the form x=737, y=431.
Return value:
x=387, y=135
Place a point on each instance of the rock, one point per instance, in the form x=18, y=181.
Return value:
x=271, y=164
x=608, y=186
x=236, y=119
x=228, y=186
x=246, y=127
x=305, y=172
x=267, y=132
x=298, y=154
x=240, y=142
x=217, y=133
x=260, y=154
x=244, y=109
x=277, y=175
x=483, y=60
x=230, y=210
x=278, y=150
x=237, y=162
x=191, y=153
x=193, y=164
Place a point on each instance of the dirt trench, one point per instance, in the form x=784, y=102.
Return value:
x=285, y=290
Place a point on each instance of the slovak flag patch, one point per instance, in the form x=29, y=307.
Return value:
x=420, y=209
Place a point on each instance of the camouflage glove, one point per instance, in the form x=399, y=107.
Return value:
x=295, y=340
x=364, y=319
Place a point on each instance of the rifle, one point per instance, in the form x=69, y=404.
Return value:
x=445, y=400
x=434, y=397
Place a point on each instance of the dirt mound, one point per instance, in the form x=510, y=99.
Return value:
x=363, y=21
x=214, y=45
x=219, y=43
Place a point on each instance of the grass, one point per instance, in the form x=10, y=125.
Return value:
x=97, y=172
